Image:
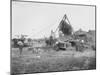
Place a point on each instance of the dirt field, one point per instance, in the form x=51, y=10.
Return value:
x=50, y=60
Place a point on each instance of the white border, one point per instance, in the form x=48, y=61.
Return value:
x=5, y=37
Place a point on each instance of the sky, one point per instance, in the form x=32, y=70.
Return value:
x=38, y=19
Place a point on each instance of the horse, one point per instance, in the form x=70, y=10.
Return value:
x=20, y=46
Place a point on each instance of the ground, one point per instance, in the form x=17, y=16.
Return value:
x=50, y=60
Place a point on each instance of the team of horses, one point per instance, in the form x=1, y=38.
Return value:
x=20, y=44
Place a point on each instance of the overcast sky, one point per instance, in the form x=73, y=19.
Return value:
x=38, y=19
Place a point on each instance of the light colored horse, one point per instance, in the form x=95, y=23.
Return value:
x=20, y=46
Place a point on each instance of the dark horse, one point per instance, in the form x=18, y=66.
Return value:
x=50, y=41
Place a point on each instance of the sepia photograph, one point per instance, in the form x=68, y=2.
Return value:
x=52, y=37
